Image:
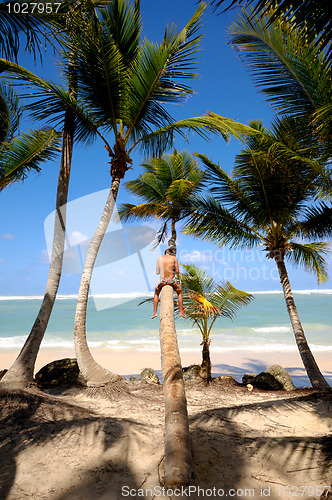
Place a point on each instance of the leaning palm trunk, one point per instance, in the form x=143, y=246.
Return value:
x=93, y=373
x=21, y=372
x=178, y=458
x=205, y=371
x=316, y=378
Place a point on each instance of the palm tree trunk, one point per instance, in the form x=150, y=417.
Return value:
x=205, y=371
x=172, y=241
x=21, y=372
x=94, y=374
x=316, y=378
x=178, y=458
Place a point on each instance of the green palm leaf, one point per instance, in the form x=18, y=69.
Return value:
x=10, y=112
x=25, y=152
x=310, y=256
x=205, y=300
x=293, y=76
x=210, y=220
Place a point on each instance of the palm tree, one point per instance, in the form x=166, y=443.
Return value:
x=21, y=372
x=312, y=15
x=268, y=202
x=291, y=71
x=205, y=301
x=178, y=457
x=124, y=84
x=167, y=187
x=23, y=152
x=119, y=86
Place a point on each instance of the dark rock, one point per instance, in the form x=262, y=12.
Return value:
x=282, y=376
x=59, y=372
x=191, y=372
x=248, y=378
x=267, y=382
x=150, y=376
x=2, y=373
x=274, y=378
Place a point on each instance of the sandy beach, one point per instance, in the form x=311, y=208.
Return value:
x=234, y=362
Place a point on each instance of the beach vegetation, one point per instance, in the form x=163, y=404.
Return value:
x=204, y=301
x=291, y=71
x=21, y=153
x=313, y=16
x=268, y=202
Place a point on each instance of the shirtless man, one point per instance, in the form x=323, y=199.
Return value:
x=168, y=266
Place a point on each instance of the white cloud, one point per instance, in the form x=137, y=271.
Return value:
x=7, y=236
x=77, y=237
x=195, y=256
x=2, y=261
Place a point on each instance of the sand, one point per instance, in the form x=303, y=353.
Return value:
x=64, y=444
x=235, y=363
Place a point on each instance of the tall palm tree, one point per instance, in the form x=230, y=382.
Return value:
x=205, y=301
x=267, y=202
x=166, y=188
x=21, y=372
x=125, y=83
x=312, y=15
x=178, y=457
x=21, y=152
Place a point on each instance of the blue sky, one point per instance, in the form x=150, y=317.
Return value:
x=224, y=87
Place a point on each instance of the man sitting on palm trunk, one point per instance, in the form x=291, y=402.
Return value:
x=168, y=267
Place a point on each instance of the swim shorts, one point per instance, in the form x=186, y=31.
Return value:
x=174, y=282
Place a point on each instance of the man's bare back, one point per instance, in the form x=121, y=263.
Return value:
x=167, y=266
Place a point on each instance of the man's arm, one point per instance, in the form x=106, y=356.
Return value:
x=176, y=266
x=158, y=264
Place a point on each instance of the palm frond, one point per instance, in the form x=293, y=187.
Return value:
x=210, y=220
x=157, y=78
x=313, y=16
x=310, y=256
x=128, y=212
x=317, y=222
x=25, y=153
x=204, y=299
x=10, y=112
x=293, y=75
x=156, y=142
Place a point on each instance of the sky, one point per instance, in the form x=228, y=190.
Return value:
x=126, y=263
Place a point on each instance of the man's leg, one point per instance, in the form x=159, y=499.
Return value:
x=155, y=305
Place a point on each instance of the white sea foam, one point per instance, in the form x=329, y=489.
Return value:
x=273, y=329
x=130, y=295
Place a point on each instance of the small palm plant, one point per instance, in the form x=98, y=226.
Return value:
x=205, y=301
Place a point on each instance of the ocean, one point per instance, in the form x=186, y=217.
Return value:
x=263, y=325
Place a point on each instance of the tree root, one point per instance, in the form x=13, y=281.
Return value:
x=112, y=389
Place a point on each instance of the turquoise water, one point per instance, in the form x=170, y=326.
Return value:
x=263, y=325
